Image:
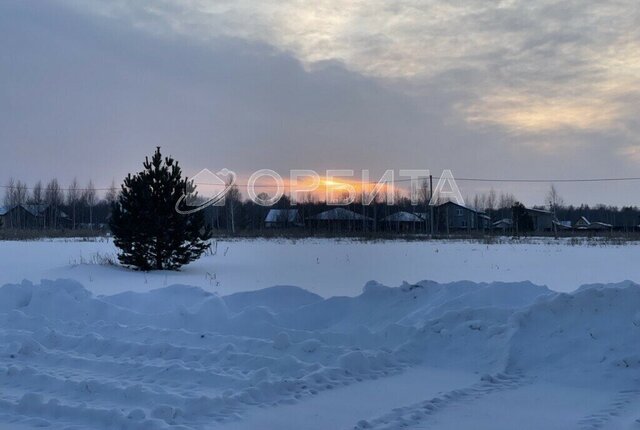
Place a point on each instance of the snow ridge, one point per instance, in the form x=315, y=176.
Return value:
x=183, y=358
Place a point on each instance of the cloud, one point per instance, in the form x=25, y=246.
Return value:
x=96, y=95
x=509, y=88
x=536, y=66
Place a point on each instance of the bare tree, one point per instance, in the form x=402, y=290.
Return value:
x=506, y=200
x=15, y=196
x=232, y=201
x=53, y=199
x=112, y=193
x=37, y=199
x=425, y=200
x=554, y=201
x=21, y=193
x=73, y=198
x=89, y=198
x=9, y=200
x=20, y=200
x=37, y=194
x=490, y=201
x=9, y=193
x=476, y=202
x=423, y=192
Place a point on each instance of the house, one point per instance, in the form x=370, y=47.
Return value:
x=18, y=217
x=49, y=216
x=543, y=220
x=4, y=211
x=581, y=224
x=597, y=225
x=451, y=216
x=504, y=224
x=584, y=224
x=282, y=218
x=562, y=225
x=403, y=221
x=29, y=216
x=340, y=219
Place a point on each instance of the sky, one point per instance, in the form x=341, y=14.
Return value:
x=502, y=89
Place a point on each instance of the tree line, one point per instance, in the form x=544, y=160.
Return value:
x=625, y=218
x=77, y=206
x=55, y=207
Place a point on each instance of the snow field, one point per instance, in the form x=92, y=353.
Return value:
x=210, y=347
x=327, y=267
x=184, y=358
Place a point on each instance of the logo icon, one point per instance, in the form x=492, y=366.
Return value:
x=206, y=189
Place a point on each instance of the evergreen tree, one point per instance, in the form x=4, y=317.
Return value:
x=522, y=221
x=146, y=227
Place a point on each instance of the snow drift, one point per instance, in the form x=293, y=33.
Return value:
x=182, y=357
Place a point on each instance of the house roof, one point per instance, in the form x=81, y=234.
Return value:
x=339, y=214
x=281, y=215
x=582, y=222
x=539, y=211
x=597, y=225
x=506, y=222
x=403, y=216
x=449, y=202
x=562, y=224
x=33, y=210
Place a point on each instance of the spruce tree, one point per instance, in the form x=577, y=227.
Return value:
x=146, y=227
x=522, y=221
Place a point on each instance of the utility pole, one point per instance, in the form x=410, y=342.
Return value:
x=364, y=215
x=431, y=202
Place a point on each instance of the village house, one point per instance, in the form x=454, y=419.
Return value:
x=542, y=219
x=28, y=216
x=283, y=218
x=584, y=224
x=18, y=217
x=504, y=225
x=341, y=219
x=450, y=216
x=403, y=221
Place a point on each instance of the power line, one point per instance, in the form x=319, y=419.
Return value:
x=466, y=180
x=500, y=180
x=550, y=180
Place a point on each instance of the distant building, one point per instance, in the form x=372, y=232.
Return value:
x=26, y=216
x=562, y=225
x=17, y=217
x=581, y=224
x=543, y=220
x=450, y=216
x=584, y=224
x=283, y=218
x=403, y=221
x=340, y=219
x=504, y=224
x=597, y=225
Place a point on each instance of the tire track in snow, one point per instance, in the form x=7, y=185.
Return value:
x=421, y=412
x=620, y=403
x=73, y=376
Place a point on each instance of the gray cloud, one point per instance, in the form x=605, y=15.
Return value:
x=507, y=89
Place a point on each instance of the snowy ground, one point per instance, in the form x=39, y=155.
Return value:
x=328, y=267
x=112, y=349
